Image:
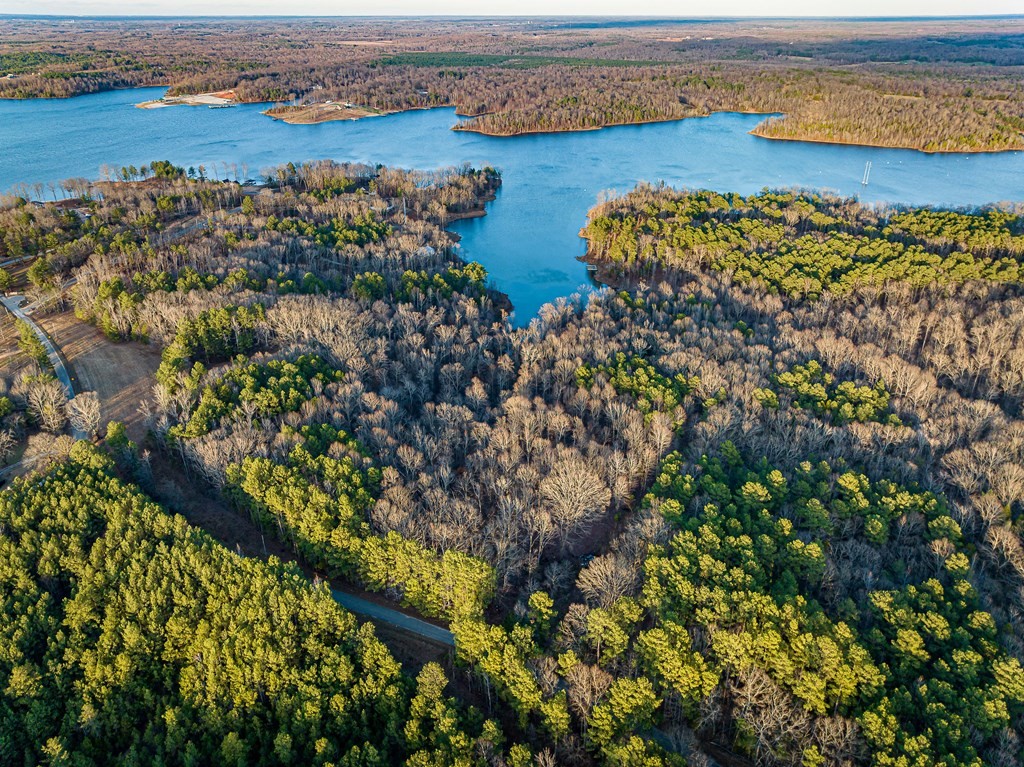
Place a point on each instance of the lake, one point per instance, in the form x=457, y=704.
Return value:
x=529, y=239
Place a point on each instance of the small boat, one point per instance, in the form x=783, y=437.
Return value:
x=223, y=106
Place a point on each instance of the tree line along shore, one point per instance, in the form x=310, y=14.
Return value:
x=940, y=86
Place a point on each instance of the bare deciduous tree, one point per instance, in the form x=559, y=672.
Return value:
x=7, y=443
x=47, y=402
x=84, y=412
x=575, y=495
x=606, y=579
x=587, y=685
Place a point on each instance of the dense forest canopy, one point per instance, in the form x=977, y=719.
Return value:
x=131, y=638
x=762, y=499
x=931, y=85
x=804, y=245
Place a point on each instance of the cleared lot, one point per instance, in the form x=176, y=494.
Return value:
x=120, y=373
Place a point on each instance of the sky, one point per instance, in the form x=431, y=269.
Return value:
x=668, y=8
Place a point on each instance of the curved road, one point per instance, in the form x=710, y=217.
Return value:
x=13, y=304
x=350, y=602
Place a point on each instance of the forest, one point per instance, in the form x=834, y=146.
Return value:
x=131, y=637
x=760, y=501
x=938, y=86
x=804, y=245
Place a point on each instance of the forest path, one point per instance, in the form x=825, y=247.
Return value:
x=187, y=495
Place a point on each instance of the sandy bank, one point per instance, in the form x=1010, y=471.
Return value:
x=218, y=99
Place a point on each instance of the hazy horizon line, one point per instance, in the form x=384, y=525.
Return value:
x=553, y=17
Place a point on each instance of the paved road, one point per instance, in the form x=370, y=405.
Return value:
x=402, y=621
x=179, y=229
x=13, y=304
x=16, y=260
x=348, y=601
x=24, y=463
x=352, y=603
x=49, y=299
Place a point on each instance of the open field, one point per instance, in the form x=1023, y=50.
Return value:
x=120, y=373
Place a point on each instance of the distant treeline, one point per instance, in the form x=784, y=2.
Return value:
x=952, y=87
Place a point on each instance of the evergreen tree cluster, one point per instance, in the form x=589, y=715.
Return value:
x=803, y=245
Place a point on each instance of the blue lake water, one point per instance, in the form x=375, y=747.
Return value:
x=529, y=240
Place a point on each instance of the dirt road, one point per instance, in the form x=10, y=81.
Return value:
x=122, y=375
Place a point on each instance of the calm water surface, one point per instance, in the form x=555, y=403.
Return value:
x=528, y=241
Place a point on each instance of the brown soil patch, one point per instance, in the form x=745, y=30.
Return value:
x=120, y=373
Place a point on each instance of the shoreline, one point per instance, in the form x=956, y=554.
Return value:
x=214, y=99
x=752, y=132
x=901, y=147
x=463, y=128
x=611, y=275
x=599, y=271
x=499, y=297
x=616, y=275
x=468, y=214
x=211, y=99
